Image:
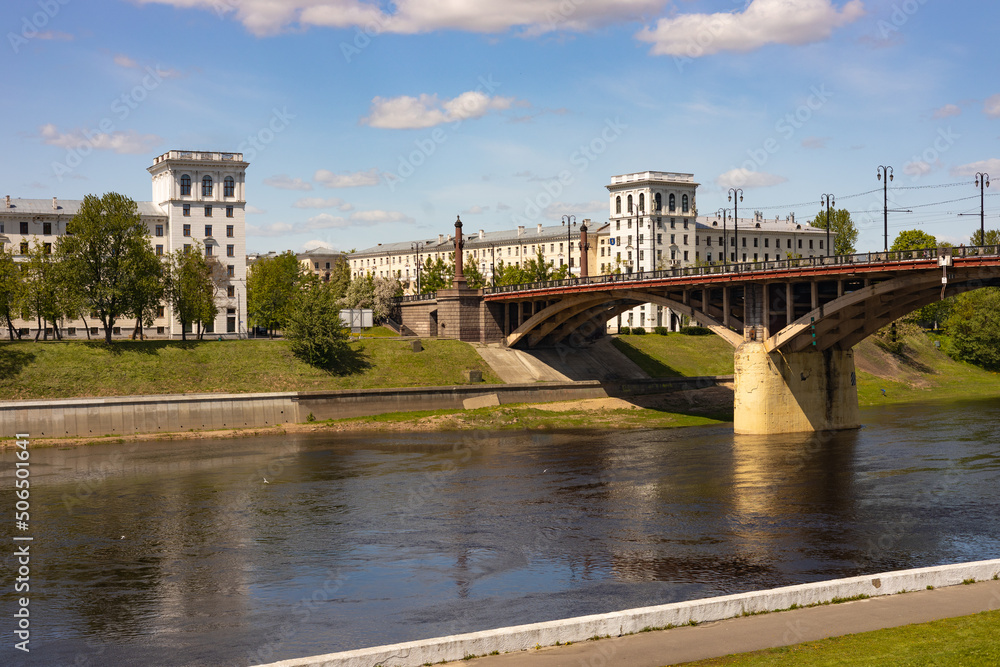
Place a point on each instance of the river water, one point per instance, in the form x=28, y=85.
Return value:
x=179, y=553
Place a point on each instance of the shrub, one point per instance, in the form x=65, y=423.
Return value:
x=623, y=331
x=314, y=331
x=695, y=331
x=638, y=331
x=661, y=331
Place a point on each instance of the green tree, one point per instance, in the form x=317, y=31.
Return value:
x=842, y=228
x=105, y=246
x=473, y=276
x=385, y=290
x=509, y=274
x=361, y=292
x=189, y=287
x=146, y=296
x=272, y=282
x=11, y=290
x=974, y=326
x=340, y=277
x=314, y=330
x=43, y=296
x=913, y=239
x=992, y=237
x=538, y=270
x=437, y=274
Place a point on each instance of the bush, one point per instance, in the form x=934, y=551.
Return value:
x=661, y=331
x=695, y=331
x=974, y=326
x=638, y=331
x=623, y=331
x=314, y=331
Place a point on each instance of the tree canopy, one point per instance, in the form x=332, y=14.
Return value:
x=992, y=237
x=314, y=331
x=842, y=228
x=190, y=288
x=272, y=282
x=974, y=325
x=913, y=239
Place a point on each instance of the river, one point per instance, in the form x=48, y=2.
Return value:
x=179, y=553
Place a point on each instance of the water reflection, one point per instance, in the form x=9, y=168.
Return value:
x=180, y=553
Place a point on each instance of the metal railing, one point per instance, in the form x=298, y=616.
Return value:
x=747, y=268
x=410, y=298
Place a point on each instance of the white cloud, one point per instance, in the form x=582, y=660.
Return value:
x=324, y=221
x=356, y=179
x=376, y=216
x=319, y=202
x=407, y=113
x=531, y=17
x=992, y=106
x=744, y=178
x=476, y=210
x=815, y=142
x=253, y=210
x=762, y=22
x=125, y=61
x=285, y=182
x=129, y=142
x=947, y=111
x=55, y=35
x=991, y=166
x=273, y=229
x=917, y=168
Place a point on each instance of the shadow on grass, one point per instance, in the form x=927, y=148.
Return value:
x=149, y=347
x=348, y=361
x=13, y=360
x=652, y=366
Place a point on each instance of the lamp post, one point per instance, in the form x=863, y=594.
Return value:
x=570, y=222
x=887, y=173
x=722, y=213
x=827, y=200
x=415, y=246
x=736, y=196
x=982, y=182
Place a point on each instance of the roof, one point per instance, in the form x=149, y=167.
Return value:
x=23, y=207
x=473, y=240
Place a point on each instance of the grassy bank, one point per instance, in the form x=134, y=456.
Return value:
x=967, y=641
x=78, y=369
x=676, y=355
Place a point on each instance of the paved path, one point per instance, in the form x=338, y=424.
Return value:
x=753, y=633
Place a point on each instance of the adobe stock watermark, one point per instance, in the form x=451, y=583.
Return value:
x=256, y=143
x=424, y=148
x=785, y=127
x=32, y=26
x=899, y=17
x=363, y=35
x=121, y=108
x=921, y=163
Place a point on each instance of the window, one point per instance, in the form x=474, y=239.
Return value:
x=161, y=330
x=230, y=250
x=316, y=264
x=159, y=250
x=800, y=244
x=47, y=248
x=229, y=211
x=228, y=187
x=820, y=245
x=618, y=204
x=185, y=185
x=24, y=247
x=630, y=203
x=672, y=204
x=208, y=211
x=187, y=211
x=117, y=331
x=659, y=204
x=328, y=265
x=159, y=230
x=708, y=240
x=206, y=186
x=24, y=228
x=229, y=231
x=685, y=240
x=673, y=239
x=46, y=228
x=789, y=243
x=642, y=202
x=159, y=311
x=93, y=330
x=685, y=255
x=208, y=231
x=744, y=239
x=810, y=244
x=187, y=247
x=618, y=224
x=231, y=271
x=210, y=327
x=684, y=204
x=659, y=239
x=230, y=325
x=70, y=331
x=755, y=242
x=766, y=256
x=765, y=242
x=231, y=291
x=208, y=251
x=187, y=230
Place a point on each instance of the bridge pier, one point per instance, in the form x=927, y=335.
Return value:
x=793, y=392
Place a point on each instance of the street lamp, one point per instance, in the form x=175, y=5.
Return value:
x=982, y=182
x=887, y=173
x=415, y=246
x=736, y=196
x=827, y=200
x=722, y=213
x=570, y=222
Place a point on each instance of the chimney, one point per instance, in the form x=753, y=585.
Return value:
x=6, y=201
x=539, y=228
x=792, y=216
x=482, y=235
x=520, y=228
x=440, y=238
x=55, y=206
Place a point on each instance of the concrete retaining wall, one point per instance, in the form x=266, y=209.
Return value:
x=166, y=413
x=578, y=629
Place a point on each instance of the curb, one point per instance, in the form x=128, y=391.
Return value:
x=521, y=637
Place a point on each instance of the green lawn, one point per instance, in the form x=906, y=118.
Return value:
x=72, y=369
x=969, y=641
x=677, y=355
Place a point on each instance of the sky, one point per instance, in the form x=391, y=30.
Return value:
x=370, y=122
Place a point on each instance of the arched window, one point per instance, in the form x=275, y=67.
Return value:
x=630, y=203
x=642, y=202
x=659, y=203
x=229, y=187
x=673, y=203
x=684, y=204
x=618, y=204
x=185, y=184
x=206, y=186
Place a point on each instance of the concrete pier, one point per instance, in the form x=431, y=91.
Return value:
x=794, y=392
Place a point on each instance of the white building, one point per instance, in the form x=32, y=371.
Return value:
x=197, y=196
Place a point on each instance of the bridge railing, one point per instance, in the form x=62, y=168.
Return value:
x=744, y=268
x=410, y=298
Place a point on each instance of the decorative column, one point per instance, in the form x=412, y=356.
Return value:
x=459, y=282
x=584, y=247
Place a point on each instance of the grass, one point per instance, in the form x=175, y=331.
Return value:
x=676, y=355
x=77, y=369
x=967, y=641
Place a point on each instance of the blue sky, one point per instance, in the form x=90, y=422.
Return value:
x=368, y=122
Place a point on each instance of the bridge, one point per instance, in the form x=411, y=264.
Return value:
x=792, y=323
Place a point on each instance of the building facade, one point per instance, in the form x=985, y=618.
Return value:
x=198, y=200
x=320, y=262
